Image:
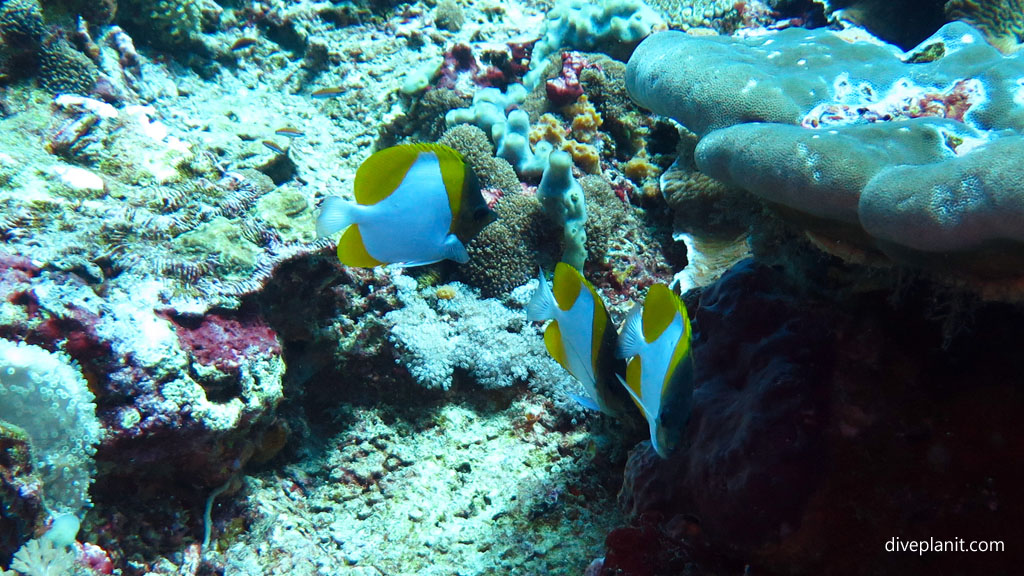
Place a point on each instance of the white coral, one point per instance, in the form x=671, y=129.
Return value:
x=45, y=394
x=491, y=343
x=41, y=557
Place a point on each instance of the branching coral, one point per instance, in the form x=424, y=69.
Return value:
x=494, y=345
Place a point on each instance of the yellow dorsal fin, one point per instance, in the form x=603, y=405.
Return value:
x=566, y=285
x=352, y=251
x=553, y=342
x=633, y=375
x=453, y=172
x=660, y=307
x=385, y=170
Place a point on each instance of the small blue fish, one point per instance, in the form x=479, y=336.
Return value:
x=659, y=375
x=415, y=204
x=242, y=44
x=289, y=132
x=274, y=147
x=580, y=337
x=328, y=92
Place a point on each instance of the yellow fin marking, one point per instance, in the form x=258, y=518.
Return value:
x=660, y=307
x=352, y=250
x=453, y=173
x=384, y=171
x=566, y=285
x=556, y=347
x=633, y=375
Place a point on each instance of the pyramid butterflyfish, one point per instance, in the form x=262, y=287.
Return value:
x=580, y=337
x=659, y=375
x=415, y=204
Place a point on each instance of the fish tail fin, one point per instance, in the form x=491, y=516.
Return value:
x=631, y=339
x=542, y=304
x=336, y=214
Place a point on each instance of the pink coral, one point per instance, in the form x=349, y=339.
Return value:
x=566, y=88
x=224, y=340
x=95, y=558
x=458, y=62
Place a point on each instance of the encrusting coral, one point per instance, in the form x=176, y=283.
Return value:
x=902, y=156
x=64, y=70
x=508, y=252
x=1002, y=21
x=164, y=23
x=21, y=24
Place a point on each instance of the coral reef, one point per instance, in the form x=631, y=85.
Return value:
x=44, y=395
x=174, y=394
x=492, y=344
x=256, y=395
x=448, y=15
x=562, y=198
x=627, y=253
x=164, y=23
x=702, y=205
x=832, y=143
x=170, y=255
x=20, y=496
x=720, y=16
x=611, y=26
x=497, y=178
x=508, y=252
x=513, y=140
x=565, y=88
x=64, y=70
x=21, y=24
x=579, y=140
x=33, y=47
x=95, y=12
x=1002, y=21
x=605, y=87
x=882, y=19
x=429, y=489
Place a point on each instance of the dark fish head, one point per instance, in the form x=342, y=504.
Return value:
x=474, y=214
x=676, y=407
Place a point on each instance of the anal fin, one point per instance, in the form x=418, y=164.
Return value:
x=553, y=342
x=352, y=249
